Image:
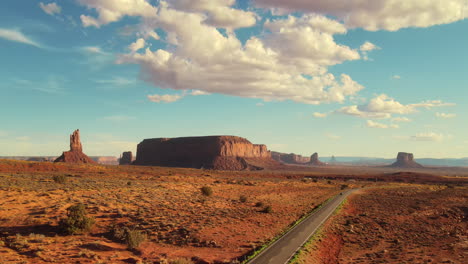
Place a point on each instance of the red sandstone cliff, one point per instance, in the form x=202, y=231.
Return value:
x=211, y=152
x=290, y=158
x=75, y=155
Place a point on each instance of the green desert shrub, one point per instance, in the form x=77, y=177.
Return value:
x=259, y=204
x=131, y=237
x=60, y=179
x=207, y=191
x=76, y=221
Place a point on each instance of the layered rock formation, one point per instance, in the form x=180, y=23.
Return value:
x=75, y=155
x=405, y=160
x=290, y=158
x=126, y=158
x=314, y=160
x=210, y=152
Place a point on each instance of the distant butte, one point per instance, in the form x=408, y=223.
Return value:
x=405, y=160
x=75, y=155
x=314, y=160
x=209, y=152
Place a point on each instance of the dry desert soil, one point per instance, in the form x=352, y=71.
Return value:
x=177, y=223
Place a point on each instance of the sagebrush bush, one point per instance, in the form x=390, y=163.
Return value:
x=76, y=222
x=207, y=191
x=131, y=237
x=267, y=209
x=259, y=204
x=60, y=179
x=243, y=198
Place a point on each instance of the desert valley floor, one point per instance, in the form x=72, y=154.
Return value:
x=417, y=216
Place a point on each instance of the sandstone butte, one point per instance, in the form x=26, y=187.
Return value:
x=75, y=154
x=209, y=152
x=405, y=160
x=314, y=160
x=126, y=158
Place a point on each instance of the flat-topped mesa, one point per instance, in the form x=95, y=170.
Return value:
x=75, y=155
x=405, y=160
x=314, y=160
x=126, y=159
x=290, y=158
x=211, y=152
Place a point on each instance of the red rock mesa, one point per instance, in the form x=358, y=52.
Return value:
x=209, y=152
x=126, y=159
x=314, y=160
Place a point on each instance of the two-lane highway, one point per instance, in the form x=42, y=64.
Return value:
x=283, y=249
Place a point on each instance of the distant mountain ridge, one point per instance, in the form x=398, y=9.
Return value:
x=371, y=161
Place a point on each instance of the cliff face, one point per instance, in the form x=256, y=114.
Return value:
x=405, y=160
x=214, y=152
x=75, y=155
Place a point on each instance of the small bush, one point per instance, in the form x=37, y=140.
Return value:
x=207, y=191
x=60, y=179
x=131, y=237
x=243, y=198
x=329, y=182
x=76, y=222
x=267, y=209
x=259, y=204
x=129, y=183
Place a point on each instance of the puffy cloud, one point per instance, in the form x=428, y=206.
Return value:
x=396, y=77
x=113, y=10
x=374, y=15
x=445, y=115
x=290, y=63
x=219, y=12
x=367, y=46
x=354, y=110
x=373, y=124
x=17, y=36
x=383, y=106
x=320, y=115
x=165, y=98
x=137, y=45
x=51, y=8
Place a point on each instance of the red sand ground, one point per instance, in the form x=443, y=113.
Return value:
x=405, y=224
x=166, y=203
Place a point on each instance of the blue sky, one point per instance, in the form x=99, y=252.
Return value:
x=299, y=76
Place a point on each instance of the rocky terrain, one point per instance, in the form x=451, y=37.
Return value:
x=210, y=152
x=402, y=224
x=405, y=160
x=75, y=154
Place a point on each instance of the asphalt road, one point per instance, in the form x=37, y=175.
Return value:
x=284, y=248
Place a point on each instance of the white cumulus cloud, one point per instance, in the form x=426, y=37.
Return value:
x=51, y=8
x=373, y=124
x=374, y=15
x=137, y=45
x=320, y=115
x=429, y=136
x=383, y=106
x=401, y=119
